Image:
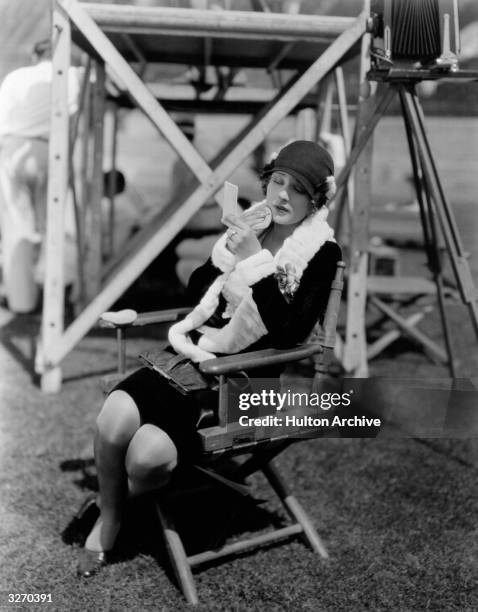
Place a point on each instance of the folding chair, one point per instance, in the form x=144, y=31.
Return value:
x=388, y=295
x=225, y=440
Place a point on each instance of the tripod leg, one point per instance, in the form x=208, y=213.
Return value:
x=448, y=226
x=430, y=231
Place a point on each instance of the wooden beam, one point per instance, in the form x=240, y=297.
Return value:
x=305, y=124
x=136, y=51
x=364, y=129
x=296, y=91
x=58, y=173
x=223, y=24
x=410, y=330
x=77, y=134
x=387, y=338
x=345, y=129
x=85, y=153
x=112, y=183
x=125, y=77
x=175, y=218
x=93, y=255
x=325, y=111
x=355, y=353
x=154, y=225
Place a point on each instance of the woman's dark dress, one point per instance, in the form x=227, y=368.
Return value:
x=288, y=323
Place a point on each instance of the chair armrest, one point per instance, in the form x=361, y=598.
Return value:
x=258, y=359
x=129, y=318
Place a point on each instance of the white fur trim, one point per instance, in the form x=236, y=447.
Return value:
x=182, y=343
x=305, y=241
x=250, y=270
x=234, y=291
x=245, y=328
x=331, y=187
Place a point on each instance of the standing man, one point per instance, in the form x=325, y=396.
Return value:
x=24, y=131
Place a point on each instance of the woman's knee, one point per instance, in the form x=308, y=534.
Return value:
x=119, y=418
x=151, y=454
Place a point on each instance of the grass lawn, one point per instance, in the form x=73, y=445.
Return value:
x=398, y=516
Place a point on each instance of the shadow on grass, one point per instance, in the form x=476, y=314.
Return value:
x=18, y=338
x=20, y=332
x=206, y=516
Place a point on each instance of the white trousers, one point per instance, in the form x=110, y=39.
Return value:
x=23, y=184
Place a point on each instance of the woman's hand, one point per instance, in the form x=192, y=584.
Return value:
x=257, y=217
x=241, y=239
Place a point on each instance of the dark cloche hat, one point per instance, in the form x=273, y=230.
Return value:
x=307, y=162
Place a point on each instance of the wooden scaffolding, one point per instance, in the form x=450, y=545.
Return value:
x=116, y=36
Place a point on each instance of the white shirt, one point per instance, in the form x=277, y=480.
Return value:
x=25, y=96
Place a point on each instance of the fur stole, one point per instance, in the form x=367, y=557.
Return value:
x=245, y=325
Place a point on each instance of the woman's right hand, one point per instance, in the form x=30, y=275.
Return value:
x=241, y=239
x=256, y=218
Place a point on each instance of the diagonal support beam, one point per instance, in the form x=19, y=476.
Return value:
x=172, y=224
x=125, y=77
x=155, y=224
x=364, y=134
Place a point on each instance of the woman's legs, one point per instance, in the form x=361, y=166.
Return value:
x=130, y=459
x=150, y=459
x=117, y=423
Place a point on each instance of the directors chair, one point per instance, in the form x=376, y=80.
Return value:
x=256, y=447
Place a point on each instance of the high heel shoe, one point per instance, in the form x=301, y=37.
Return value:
x=90, y=562
x=85, y=519
x=87, y=507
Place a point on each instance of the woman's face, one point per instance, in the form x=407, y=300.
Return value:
x=287, y=199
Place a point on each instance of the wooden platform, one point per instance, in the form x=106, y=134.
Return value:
x=216, y=38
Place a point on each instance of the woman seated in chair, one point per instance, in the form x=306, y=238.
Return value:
x=266, y=281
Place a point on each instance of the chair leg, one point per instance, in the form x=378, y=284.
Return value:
x=295, y=510
x=177, y=556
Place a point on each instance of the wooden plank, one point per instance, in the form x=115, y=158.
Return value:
x=345, y=129
x=243, y=545
x=355, y=352
x=342, y=106
x=125, y=77
x=223, y=24
x=237, y=100
x=387, y=338
x=174, y=218
x=410, y=330
x=85, y=154
x=77, y=188
x=404, y=285
x=83, y=183
x=144, y=235
x=112, y=181
x=325, y=108
x=93, y=255
x=58, y=166
x=235, y=436
x=365, y=130
x=177, y=555
x=305, y=126
x=289, y=99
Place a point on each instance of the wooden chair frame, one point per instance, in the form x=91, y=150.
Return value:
x=224, y=440
x=388, y=295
